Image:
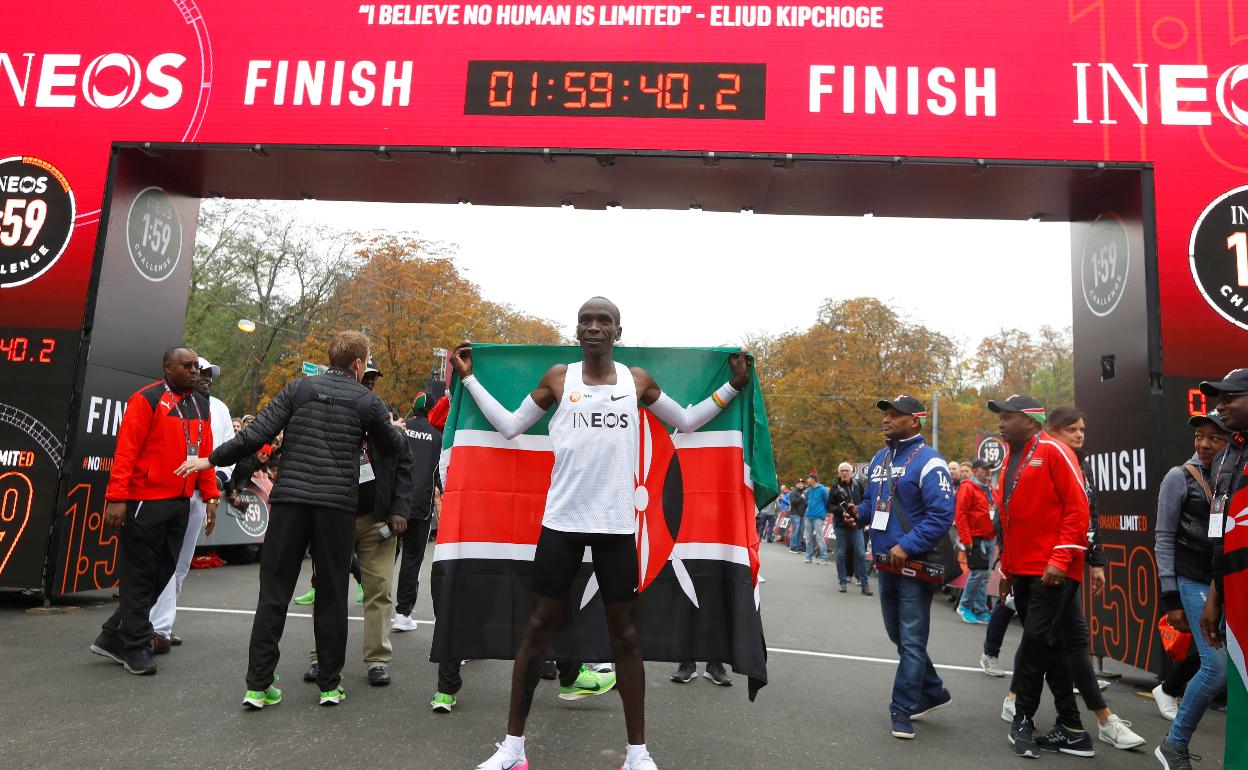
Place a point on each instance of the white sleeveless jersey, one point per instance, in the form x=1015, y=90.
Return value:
x=594, y=433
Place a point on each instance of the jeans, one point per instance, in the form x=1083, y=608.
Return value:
x=814, y=534
x=997, y=624
x=1210, y=679
x=850, y=544
x=906, y=604
x=766, y=528
x=1053, y=632
x=795, y=532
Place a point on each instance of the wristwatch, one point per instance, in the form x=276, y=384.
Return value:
x=213, y=501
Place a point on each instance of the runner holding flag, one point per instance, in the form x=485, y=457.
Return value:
x=590, y=503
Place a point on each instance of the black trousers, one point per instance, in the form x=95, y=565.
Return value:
x=415, y=539
x=293, y=528
x=147, y=554
x=1051, y=635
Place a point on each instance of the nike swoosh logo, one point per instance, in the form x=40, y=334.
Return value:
x=617, y=398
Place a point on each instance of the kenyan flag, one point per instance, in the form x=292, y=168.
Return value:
x=1235, y=604
x=696, y=498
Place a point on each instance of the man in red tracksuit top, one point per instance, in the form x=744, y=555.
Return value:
x=1044, y=518
x=148, y=504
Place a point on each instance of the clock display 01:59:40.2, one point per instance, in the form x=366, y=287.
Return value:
x=617, y=89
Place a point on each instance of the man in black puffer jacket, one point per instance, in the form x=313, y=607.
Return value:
x=326, y=418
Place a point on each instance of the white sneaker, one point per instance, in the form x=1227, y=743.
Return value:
x=644, y=762
x=1117, y=733
x=1007, y=710
x=990, y=665
x=1167, y=705
x=504, y=759
x=403, y=623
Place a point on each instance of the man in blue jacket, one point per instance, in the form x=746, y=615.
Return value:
x=909, y=504
x=816, y=518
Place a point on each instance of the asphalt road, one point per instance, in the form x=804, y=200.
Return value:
x=831, y=670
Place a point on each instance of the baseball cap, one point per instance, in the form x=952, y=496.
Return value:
x=905, y=405
x=267, y=449
x=1016, y=403
x=420, y=402
x=212, y=369
x=1235, y=381
x=1213, y=418
x=978, y=463
x=371, y=367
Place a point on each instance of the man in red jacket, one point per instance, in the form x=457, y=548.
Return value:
x=148, y=504
x=1044, y=518
x=974, y=512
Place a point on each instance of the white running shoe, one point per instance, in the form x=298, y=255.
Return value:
x=990, y=665
x=1007, y=710
x=504, y=759
x=644, y=762
x=403, y=623
x=1167, y=705
x=1117, y=733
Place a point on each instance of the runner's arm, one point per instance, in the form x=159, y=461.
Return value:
x=510, y=424
x=689, y=419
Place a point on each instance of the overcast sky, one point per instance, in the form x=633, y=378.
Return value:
x=689, y=278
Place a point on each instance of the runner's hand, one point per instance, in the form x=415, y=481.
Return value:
x=398, y=524
x=210, y=519
x=193, y=465
x=461, y=360
x=114, y=515
x=739, y=365
x=1096, y=579
x=1211, y=618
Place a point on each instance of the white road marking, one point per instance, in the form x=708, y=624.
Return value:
x=779, y=650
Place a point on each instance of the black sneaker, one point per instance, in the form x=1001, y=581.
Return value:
x=109, y=646
x=378, y=676
x=550, y=670
x=312, y=673
x=715, y=672
x=1067, y=741
x=1173, y=757
x=1021, y=735
x=685, y=673
x=140, y=661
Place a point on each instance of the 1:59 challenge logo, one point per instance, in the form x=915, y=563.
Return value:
x=1218, y=253
x=36, y=218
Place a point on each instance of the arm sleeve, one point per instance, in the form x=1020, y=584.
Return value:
x=262, y=430
x=935, y=487
x=206, y=480
x=689, y=419
x=134, y=428
x=510, y=424
x=1169, y=506
x=1072, y=529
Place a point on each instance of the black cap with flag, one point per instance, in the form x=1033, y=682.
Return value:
x=904, y=404
x=1235, y=381
x=1017, y=403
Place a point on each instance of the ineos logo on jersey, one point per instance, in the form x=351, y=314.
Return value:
x=599, y=420
x=108, y=81
x=1218, y=255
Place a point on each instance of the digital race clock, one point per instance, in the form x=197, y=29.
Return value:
x=617, y=89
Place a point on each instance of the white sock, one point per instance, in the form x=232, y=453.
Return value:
x=515, y=744
x=636, y=752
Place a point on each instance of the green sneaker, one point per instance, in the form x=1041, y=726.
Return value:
x=258, y=699
x=359, y=593
x=333, y=697
x=308, y=598
x=588, y=682
x=442, y=703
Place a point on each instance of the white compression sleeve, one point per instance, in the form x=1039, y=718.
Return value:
x=510, y=424
x=689, y=419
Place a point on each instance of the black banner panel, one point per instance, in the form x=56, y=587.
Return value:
x=140, y=310
x=1112, y=387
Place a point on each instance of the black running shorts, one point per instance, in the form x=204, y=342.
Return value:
x=559, y=556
